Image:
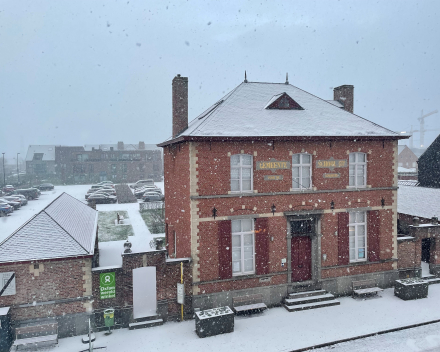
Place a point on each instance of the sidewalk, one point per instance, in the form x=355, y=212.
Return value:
x=277, y=329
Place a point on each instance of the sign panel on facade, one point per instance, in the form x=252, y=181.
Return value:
x=273, y=165
x=7, y=284
x=332, y=175
x=180, y=293
x=331, y=163
x=107, y=285
x=273, y=177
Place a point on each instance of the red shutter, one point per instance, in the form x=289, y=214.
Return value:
x=225, y=249
x=261, y=246
x=373, y=241
x=343, y=242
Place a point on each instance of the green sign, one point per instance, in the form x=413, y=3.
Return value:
x=107, y=285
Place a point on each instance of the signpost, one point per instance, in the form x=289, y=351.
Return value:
x=107, y=285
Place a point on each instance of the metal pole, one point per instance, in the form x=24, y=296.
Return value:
x=18, y=173
x=181, y=281
x=4, y=174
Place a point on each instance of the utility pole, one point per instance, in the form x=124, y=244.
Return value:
x=18, y=173
x=4, y=174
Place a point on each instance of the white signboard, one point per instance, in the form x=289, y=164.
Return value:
x=180, y=293
x=5, y=278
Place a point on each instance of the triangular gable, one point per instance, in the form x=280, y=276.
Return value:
x=283, y=102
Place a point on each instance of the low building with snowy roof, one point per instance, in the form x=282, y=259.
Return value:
x=46, y=267
x=272, y=190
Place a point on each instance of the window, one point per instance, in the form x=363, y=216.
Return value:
x=114, y=168
x=124, y=168
x=241, y=173
x=38, y=156
x=82, y=157
x=358, y=170
x=357, y=236
x=242, y=247
x=301, y=171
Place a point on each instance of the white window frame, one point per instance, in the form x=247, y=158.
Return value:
x=241, y=234
x=300, y=166
x=356, y=226
x=240, y=166
x=357, y=163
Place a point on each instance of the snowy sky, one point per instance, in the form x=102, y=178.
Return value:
x=81, y=72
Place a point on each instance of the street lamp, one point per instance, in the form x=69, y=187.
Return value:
x=4, y=174
x=18, y=174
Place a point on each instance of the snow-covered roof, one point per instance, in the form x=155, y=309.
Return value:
x=412, y=183
x=418, y=201
x=48, y=152
x=404, y=169
x=65, y=228
x=335, y=103
x=242, y=113
x=128, y=147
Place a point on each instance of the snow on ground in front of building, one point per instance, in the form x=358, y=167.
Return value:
x=278, y=330
x=11, y=223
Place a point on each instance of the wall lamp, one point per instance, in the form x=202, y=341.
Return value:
x=214, y=212
x=332, y=205
x=382, y=202
x=273, y=208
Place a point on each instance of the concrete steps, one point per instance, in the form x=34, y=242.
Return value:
x=145, y=324
x=309, y=300
x=434, y=280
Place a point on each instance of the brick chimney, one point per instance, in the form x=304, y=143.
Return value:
x=344, y=94
x=180, y=105
x=141, y=145
x=120, y=145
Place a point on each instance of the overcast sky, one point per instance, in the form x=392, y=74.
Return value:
x=82, y=72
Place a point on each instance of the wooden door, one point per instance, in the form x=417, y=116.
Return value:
x=301, y=258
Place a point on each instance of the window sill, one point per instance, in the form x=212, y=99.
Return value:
x=238, y=192
x=358, y=264
x=300, y=189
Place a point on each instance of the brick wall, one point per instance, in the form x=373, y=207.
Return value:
x=407, y=252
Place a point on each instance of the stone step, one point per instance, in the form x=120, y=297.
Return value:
x=310, y=299
x=426, y=277
x=151, y=317
x=296, y=308
x=307, y=294
x=435, y=280
x=145, y=324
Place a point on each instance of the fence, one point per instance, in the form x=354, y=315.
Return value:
x=151, y=205
x=153, y=214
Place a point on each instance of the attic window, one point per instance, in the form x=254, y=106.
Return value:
x=38, y=156
x=283, y=102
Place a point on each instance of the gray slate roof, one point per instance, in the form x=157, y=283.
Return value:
x=128, y=147
x=242, y=113
x=47, y=150
x=65, y=228
x=418, y=201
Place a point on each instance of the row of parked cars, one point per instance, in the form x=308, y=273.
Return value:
x=102, y=193
x=147, y=191
x=13, y=201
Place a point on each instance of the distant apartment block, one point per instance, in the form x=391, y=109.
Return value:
x=94, y=163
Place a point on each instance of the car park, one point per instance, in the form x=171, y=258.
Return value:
x=139, y=193
x=45, y=187
x=5, y=209
x=17, y=198
x=101, y=198
x=106, y=183
x=8, y=188
x=29, y=193
x=140, y=183
x=93, y=190
x=110, y=193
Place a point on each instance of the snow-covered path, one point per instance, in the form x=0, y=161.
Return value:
x=278, y=330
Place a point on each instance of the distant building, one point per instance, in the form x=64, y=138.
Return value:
x=429, y=165
x=407, y=159
x=94, y=163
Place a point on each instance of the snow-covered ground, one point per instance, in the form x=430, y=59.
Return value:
x=278, y=330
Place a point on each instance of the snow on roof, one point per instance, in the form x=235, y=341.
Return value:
x=418, y=201
x=65, y=228
x=408, y=183
x=335, y=103
x=48, y=152
x=242, y=113
x=128, y=147
x=4, y=310
x=404, y=169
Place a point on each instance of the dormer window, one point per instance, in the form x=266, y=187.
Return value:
x=283, y=102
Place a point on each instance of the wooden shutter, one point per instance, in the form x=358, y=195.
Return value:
x=343, y=239
x=225, y=249
x=373, y=238
x=261, y=246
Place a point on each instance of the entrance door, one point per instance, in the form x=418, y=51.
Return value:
x=144, y=292
x=301, y=258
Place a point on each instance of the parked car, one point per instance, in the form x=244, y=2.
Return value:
x=8, y=188
x=29, y=193
x=106, y=183
x=16, y=205
x=108, y=192
x=45, y=187
x=140, y=183
x=103, y=188
x=102, y=198
x=5, y=209
x=152, y=197
x=17, y=198
x=139, y=193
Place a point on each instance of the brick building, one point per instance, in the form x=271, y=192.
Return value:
x=47, y=264
x=273, y=190
x=94, y=163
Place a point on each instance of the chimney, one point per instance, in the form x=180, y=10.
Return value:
x=141, y=145
x=344, y=94
x=120, y=145
x=180, y=105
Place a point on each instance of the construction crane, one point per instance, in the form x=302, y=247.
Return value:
x=422, y=126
